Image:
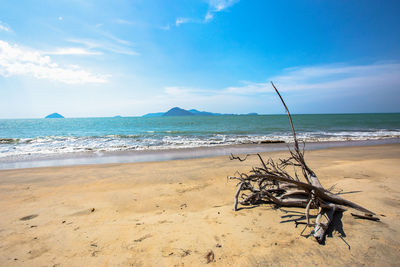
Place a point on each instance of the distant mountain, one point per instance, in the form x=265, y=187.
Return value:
x=54, y=116
x=178, y=112
x=158, y=114
x=117, y=116
x=192, y=112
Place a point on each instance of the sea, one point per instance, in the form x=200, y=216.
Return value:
x=32, y=140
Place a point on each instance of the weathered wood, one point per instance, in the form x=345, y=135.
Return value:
x=321, y=227
x=367, y=217
x=272, y=184
x=237, y=195
x=308, y=210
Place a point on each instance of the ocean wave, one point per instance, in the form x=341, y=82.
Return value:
x=48, y=145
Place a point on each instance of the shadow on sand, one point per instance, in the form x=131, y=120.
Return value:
x=299, y=218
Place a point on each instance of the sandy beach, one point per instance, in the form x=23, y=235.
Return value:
x=173, y=213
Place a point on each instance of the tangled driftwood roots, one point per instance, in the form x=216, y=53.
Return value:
x=272, y=183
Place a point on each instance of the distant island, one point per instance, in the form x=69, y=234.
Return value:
x=54, y=116
x=176, y=111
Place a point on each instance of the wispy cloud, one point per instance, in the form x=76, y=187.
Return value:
x=72, y=51
x=4, y=27
x=328, y=77
x=209, y=16
x=116, y=39
x=124, y=21
x=307, y=86
x=184, y=92
x=188, y=97
x=105, y=46
x=180, y=21
x=104, y=42
x=214, y=6
x=219, y=5
x=16, y=60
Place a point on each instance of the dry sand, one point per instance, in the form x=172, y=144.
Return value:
x=174, y=212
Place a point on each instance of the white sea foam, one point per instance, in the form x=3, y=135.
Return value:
x=49, y=145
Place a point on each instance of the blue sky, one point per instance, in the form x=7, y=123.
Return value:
x=103, y=58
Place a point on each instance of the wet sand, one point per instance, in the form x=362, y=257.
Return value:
x=173, y=213
x=130, y=156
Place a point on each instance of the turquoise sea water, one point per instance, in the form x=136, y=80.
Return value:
x=30, y=137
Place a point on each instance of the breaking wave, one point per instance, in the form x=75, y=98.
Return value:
x=48, y=145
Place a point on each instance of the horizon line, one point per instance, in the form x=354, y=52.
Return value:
x=221, y=114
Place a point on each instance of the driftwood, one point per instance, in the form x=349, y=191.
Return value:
x=272, y=183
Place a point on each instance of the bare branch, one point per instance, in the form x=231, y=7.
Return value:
x=271, y=183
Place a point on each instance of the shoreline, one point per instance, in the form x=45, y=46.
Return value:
x=172, y=213
x=88, y=158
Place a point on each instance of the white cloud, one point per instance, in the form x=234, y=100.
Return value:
x=60, y=18
x=4, y=27
x=116, y=39
x=214, y=6
x=123, y=21
x=175, y=90
x=305, y=86
x=15, y=60
x=72, y=51
x=208, y=17
x=106, y=46
x=248, y=89
x=338, y=76
x=316, y=78
x=180, y=21
x=219, y=5
x=327, y=77
x=187, y=97
x=184, y=92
